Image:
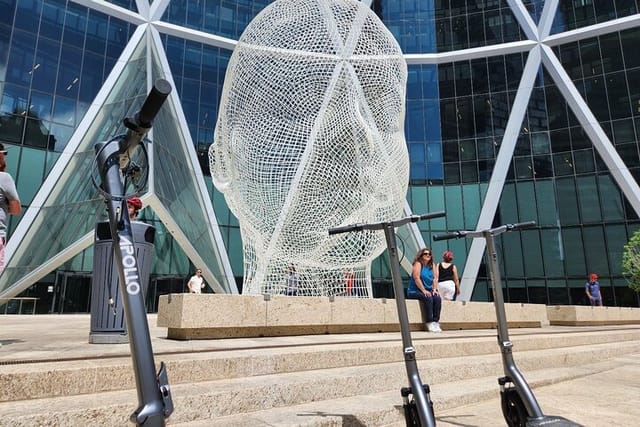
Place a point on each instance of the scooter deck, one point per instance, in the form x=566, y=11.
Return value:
x=550, y=420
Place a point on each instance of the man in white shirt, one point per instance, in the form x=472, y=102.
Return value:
x=9, y=202
x=196, y=283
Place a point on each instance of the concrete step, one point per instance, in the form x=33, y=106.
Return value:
x=385, y=409
x=376, y=385
x=617, y=388
x=371, y=409
x=41, y=379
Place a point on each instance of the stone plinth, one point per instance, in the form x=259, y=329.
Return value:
x=482, y=315
x=206, y=316
x=579, y=315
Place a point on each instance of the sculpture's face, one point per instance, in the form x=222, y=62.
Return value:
x=310, y=131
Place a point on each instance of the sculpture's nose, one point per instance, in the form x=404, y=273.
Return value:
x=220, y=163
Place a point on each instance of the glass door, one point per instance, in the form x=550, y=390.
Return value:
x=72, y=293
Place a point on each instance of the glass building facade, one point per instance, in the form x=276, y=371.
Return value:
x=516, y=111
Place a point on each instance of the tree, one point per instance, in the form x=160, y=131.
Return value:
x=631, y=262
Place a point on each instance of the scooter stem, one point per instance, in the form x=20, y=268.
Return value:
x=506, y=346
x=427, y=418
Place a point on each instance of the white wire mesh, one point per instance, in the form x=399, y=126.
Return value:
x=310, y=136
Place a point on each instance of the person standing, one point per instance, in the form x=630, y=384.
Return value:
x=423, y=286
x=134, y=205
x=348, y=282
x=9, y=202
x=448, y=281
x=292, y=281
x=196, y=283
x=592, y=289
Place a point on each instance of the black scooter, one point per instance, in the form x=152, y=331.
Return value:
x=418, y=410
x=113, y=159
x=519, y=406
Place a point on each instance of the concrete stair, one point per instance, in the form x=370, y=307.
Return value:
x=310, y=383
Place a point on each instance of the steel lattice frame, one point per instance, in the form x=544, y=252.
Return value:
x=309, y=137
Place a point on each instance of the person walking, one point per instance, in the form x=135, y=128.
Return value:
x=423, y=286
x=448, y=281
x=9, y=202
x=196, y=283
x=592, y=289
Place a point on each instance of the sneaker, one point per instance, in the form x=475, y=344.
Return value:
x=431, y=327
x=437, y=326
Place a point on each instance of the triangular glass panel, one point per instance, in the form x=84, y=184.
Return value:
x=66, y=209
x=67, y=206
x=180, y=192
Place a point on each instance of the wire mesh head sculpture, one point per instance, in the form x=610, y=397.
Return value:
x=310, y=136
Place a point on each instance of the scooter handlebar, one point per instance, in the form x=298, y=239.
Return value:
x=449, y=236
x=383, y=224
x=346, y=229
x=521, y=225
x=161, y=89
x=431, y=215
x=481, y=233
x=143, y=119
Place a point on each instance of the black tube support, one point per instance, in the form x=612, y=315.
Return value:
x=154, y=398
x=417, y=388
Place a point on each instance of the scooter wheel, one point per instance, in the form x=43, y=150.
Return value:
x=513, y=409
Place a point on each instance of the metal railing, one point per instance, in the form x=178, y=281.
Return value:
x=15, y=305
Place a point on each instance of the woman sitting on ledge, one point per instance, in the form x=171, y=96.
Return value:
x=421, y=286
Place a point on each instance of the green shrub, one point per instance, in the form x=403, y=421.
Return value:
x=631, y=262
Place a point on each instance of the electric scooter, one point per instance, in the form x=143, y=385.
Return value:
x=113, y=159
x=418, y=410
x=519, y=405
